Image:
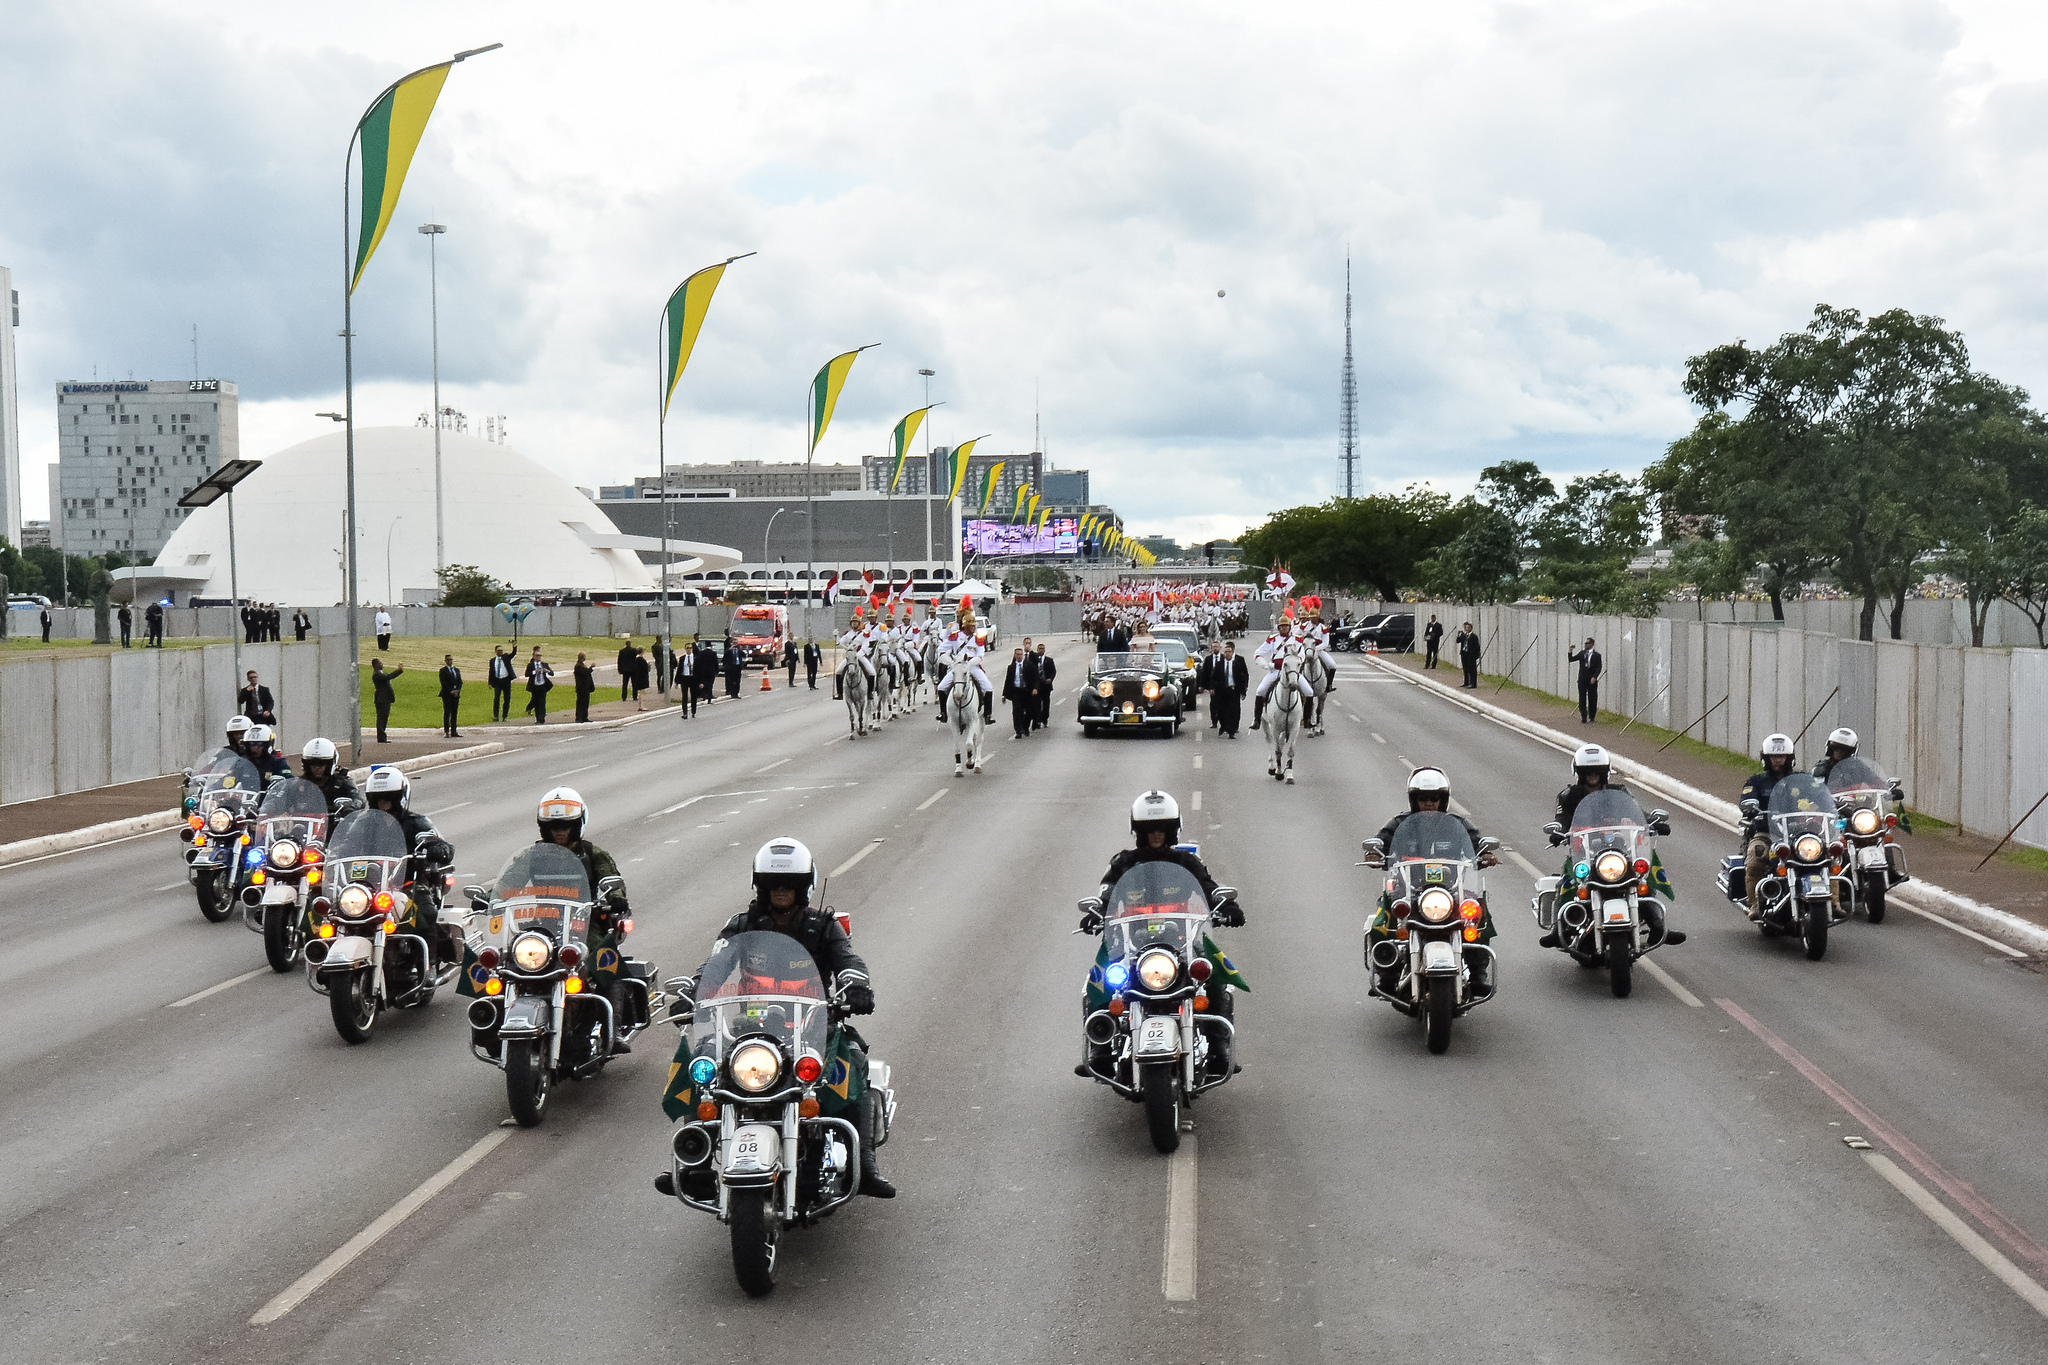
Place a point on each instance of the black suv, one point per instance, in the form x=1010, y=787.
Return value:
x=1394, y=633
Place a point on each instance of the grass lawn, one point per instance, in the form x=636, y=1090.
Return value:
x=418, y=689
x=32, y=643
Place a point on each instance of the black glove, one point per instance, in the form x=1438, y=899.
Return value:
x=1091, y=921
x=860, y=998
x=1661, y=827
x=1230, y=915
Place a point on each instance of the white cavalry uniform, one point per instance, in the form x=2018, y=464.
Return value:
x=959, y=649
x=1270, y=654
x=1319, y=640
x=854, y=649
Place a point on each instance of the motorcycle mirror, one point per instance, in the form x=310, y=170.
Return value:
x=1660, y=817
x=1089, y=905
x=1750, y=805
x=1224, y=893
x=607, y=885
x=1487, y=843
x=475, y=893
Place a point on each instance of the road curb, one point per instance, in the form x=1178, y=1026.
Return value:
x=1985, y=919
x=70, y=839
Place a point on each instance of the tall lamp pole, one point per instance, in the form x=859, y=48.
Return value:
x=433, y=232
x=221, y=484
x=928, y=556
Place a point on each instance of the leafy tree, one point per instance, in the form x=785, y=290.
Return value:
x=465, y=585
x=23, y=574
x=1373, y=542
x=1585, y=540
x=2023, y=554
x=1482, y=564
x=1522, y=493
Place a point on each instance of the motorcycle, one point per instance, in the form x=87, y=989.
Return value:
x=538, y=1016
x=753, y=1146
x=1876, y=863
x=356, y=954
x=1429, y=920
x=291, y=835
x=1611, y=915
x=1799, y=892
x=221, y=794
x=1164, y=1031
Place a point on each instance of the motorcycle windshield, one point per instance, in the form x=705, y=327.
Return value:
x=1608, y=808
x=544, y=887
x=294, y=809
x=1607, y=822
x=1855, y=775
x=1155, y=903
x=1432, y=834
x=368, y=849
x=759, y=983
x=1800, y=804
x=231, y=775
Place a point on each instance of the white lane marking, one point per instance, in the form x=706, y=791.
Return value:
x=933, y=799
x=572, y=772
x=1379, y=737
x=1197, y=803
x=1354, y=716
x=457, y=806
x=707, y=796
x=172, y=887
x=1177, y=1272
x=1670, y=983
x=776, y=764
x=1524, y=863
x=855, y=858
x=1198, y=760
x=737, y=726
x=2005, y=948
x=215, y=990
x=1988, y=1256
x=306, y=1284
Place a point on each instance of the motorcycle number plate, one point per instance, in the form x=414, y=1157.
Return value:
x=1872, y=855
x=753, y=1148
x=1813, y=886
x=1615, y=911
x=1438, y=957
x=1160, y=1033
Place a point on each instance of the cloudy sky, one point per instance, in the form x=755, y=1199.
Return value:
x=1548, y=208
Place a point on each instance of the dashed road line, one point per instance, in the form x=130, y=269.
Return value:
x=572, y=772
x=933, y=799
x=1177, y=1271
x=776, y=764
x=1670, y=983
x=460, y=804
x=1197, y=802
x=850, y=862
x=198, y=996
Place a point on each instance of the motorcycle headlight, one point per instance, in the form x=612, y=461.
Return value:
x=1610, y=866
x=1436, y=905
x=354, y=901
x=1808, y=849
x=530, y=952
x=754, y=1067
x=219, y=821
x=1157, y=969
x=283, y=853
x=1864, y=821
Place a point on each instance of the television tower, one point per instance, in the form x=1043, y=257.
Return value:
x=1347, y=429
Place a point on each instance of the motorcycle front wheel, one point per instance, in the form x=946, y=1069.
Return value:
x=282, y=940
x=528, y=1083
x=212, y=903
x=353, y=1003
x=1443, y=1007
x=753, y=1243
x=1162, y=1104
x=1621, y=961
x=1873, y=899
x=1813, y=929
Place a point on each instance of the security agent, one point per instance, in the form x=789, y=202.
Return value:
x=318, y=764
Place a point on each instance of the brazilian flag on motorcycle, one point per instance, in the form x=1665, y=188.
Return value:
x=1097, y=994
x=844, y=1084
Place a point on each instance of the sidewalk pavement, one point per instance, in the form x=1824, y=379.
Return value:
x=1941, y=854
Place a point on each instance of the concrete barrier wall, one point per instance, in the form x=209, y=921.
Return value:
x=72, y=724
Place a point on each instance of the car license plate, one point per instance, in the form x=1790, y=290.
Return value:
x=1159, y=1033
x=753, y=1148
x=1872, y=855
x=1814, y=886
x=1129, y=718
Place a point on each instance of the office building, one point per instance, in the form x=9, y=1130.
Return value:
x=856, y=530
x=35, y=535
x=1017, y=470
x=127, y=451
x=1064, y=487
x=10, y=413
x=751, y=479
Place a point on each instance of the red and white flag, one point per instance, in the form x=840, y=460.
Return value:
x=831, y=588
x=1280, y=582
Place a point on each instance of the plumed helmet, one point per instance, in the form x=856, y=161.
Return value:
x=562, y=806
x=1590, y=758
x=1428, y=782
x=1776, y=746
x=785, y=862
x=1844, y=738
x=1152, y=810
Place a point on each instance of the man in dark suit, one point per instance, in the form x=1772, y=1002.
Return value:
x=1233, y=680
x=1209, y=677
x=1590, y=667
x=254, y=702
x=501, y=676
x=1047, y=671
x=789, y=659
x=629, y=671
x=1432, y=641
x=46, y=625
x=127, y=623
x=1467, y=641
x=813, y=657
x=707, y=671
x=381, y=694
x=153, y=620
x=451, y=696
x=734, y=667
x=301, y=623
x=1020, y=689
x=686, y=678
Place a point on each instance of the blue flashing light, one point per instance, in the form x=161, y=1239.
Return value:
x=1582, y=869
x=254, y=856
x=1116, y=976
x=703, y=1071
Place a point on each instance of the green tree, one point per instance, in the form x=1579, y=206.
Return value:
x=2023, y=554
x=1370, y=543
x=1481, y=564
x=465, y=585
x=1585, y=540
x=23, y=574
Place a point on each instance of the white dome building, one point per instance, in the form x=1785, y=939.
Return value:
x=518, y=522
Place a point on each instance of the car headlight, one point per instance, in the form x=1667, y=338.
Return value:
x=1610, y=866
x=1151, y=691
x=1808, y=849
x=1157, y=969
x=1864, y=821
x=283, y=853
x=754, y=1067
x=1105, y=689
x=531, y=951
x=1436, y=905
x=219, y=821
x=354, y=900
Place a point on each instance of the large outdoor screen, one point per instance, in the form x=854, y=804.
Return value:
x=1060, y=537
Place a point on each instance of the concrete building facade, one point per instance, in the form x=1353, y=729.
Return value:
x=10, y=413
x=1064, y=487
x=751, y=479
x=856, y=531
x=1017, y=469
x=127, y=451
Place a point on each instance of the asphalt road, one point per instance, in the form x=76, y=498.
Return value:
x=1579, y=1179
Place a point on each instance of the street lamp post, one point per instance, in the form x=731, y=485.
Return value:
x=764, y=558
x=433, y=231
x=221, y=484
x=927, y=556
x=388, y=591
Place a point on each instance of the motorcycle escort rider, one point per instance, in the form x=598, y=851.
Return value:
x=318, y=764
x=1779, y=763
x=784, y=879
x=1841, y=744
x=390, y=791
x=561, y=818
x=257, y=747
x=1592, y=771
x=239, y=726
x=1429, y=789
x=1155, y=826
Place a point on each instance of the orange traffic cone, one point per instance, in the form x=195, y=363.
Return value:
x=765, y=687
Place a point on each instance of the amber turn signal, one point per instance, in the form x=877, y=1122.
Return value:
x=707, y=1109
x=807, y=1107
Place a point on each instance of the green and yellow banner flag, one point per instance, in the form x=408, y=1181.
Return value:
x=989, y=478
x=1660, y=881
x=956, y=469
x=1031, y=508
x=900, y=442
x=389, y=134
x=685, y=318
x=825, y=392
x=1017, y=507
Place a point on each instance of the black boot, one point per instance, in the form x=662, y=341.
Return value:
x=1258, y=711
x=871, y=1182
x=665, y=1183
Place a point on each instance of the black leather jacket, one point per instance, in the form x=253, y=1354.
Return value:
x=339, y=786
x=818, y=931
x=1128, y=858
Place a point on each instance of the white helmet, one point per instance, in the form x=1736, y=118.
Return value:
x=1156, y=810
x=1776, y=746
x=388, y=781
x=1428, y=782
x=258, y=734
x=785, y=862
x=238, y=724
x=319, y=750
x=1590, y=756
x=1844, y=737
x=562, y=805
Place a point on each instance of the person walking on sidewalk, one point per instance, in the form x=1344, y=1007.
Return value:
x=451, y=696
x=381, y=694
x=813, y=656
x=1467, y=641
x=1590, y=665
x=789, y=658
x=539, y=678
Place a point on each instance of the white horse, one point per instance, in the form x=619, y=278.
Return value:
x=853, y=685
x=1318, y=678
x=906, y=680
x=1284, y=717
x=963, y=708
x=885, y=686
